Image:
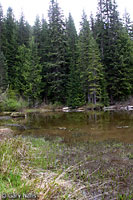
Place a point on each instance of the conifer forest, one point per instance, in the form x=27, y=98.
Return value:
x=51, y=62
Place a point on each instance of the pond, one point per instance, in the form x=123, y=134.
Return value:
x=74, y=127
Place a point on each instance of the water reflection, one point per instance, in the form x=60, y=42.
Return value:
x=75, y=127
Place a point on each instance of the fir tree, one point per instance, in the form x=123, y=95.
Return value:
x=37, y=33
x=122, y=67
x=3, y=72
x=1, y=25
x=128, y=24
x=23, y=31
x=109, y=31
x=34, y=77
x=28, y=73
x=56, y=66
x=44, y=58
x=10, y=43
x=90, y=64
x=74, y=97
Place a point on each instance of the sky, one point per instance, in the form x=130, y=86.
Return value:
x=32, y=8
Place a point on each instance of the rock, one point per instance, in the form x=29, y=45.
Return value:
x=120, y=107
x=66, y=109
x=18, y=114
x=62, y=128
x=80, y=110
x=129, y=107
x=110, y=108
x=123, y=108
x=5, y=117
x=5, y=133
x=5, y=113
x=122, y=127
x=21, y=127
x=126, y=108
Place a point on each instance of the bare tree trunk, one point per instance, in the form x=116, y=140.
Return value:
x=94, y=97
x=89, y=99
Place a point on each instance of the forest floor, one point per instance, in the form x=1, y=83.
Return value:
x=37, y=168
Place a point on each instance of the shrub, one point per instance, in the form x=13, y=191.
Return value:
x=10, y=101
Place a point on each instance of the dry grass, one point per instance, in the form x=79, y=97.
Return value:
x=56, y=171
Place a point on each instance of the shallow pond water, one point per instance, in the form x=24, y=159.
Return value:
x=74, y=126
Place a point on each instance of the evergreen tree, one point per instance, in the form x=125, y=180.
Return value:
x=3, y=72
x=44, y=44
x=128, y=24
x=90, y=64
x=56, y=66
x=34, y=76
x=50, y=61
x=74, y=93
x=122, y=67
x=23, y=31
x=37, y=33
x=1, y=25
x=28, y=73
x=10, y=44
x=83, y=47
x=108, y=31
x=2, y=30
x=96, y=90
x=44, y=57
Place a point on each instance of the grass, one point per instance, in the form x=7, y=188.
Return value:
x=53, y=170
x=12, y=153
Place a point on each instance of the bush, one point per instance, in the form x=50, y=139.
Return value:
x=9, y=101
x=12, y=105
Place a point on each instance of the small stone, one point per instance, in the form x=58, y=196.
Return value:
x=18, y=114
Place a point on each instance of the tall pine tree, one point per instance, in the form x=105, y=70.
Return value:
x=10, y=44
x=108, y=31
x=56, y=66
x=89, y=64
x=24, y=32
x=3, y=72
x=28, y=73
x=74, y=92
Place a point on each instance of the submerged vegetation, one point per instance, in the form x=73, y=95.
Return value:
x=53, y=170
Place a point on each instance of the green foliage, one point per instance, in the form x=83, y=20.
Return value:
x=56, y=75
x=23, y=32
x=14, y=105
x=74, y=90
x=115, y=48
x=11, y=101
x=1, y=26
x=75, y=94
x=90, y=66
x=28, y=73
x=9, y=47
x=3, y=72
x=50, y=62
x=11, y=105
